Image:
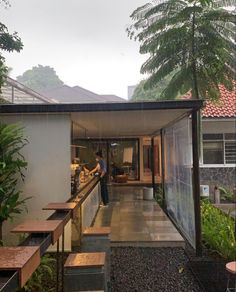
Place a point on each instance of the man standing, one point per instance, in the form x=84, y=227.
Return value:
x=102, y=170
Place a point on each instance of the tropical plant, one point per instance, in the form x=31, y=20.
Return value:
x=12, y=165
x=37, y=280
x=226, y=194
x=218, y=231
x=194, y=38
x=40, y=78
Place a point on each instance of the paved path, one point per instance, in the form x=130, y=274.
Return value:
x=135, y=222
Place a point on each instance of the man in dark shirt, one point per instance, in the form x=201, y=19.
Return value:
x=102, y=170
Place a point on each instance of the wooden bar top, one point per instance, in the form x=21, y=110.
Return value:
x=86, y=260
x=55, y=227
x=24, y=259
x=60, y=206
x=96, y=231
x=71, y=206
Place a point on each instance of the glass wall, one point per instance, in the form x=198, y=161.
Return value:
x=120, y=154
x=178, y=176
x=124, y=155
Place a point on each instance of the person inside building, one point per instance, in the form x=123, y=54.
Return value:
x=101, y=169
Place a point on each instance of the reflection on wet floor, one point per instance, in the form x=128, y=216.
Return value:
x=137, y=222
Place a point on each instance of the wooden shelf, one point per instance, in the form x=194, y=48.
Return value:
x=55, y=227
x=97, y=231
x=24, y=259
x=86, y=260
x=72, y=206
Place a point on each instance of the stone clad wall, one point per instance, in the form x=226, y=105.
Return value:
x=221, y=176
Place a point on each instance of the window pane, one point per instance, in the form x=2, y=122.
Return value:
x=213, y=153
x=230, y=136
x=212, y=136
x=230, y=152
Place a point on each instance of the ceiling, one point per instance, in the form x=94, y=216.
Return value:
x=112, y=124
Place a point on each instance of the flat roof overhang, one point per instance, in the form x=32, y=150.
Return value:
x=103, y=120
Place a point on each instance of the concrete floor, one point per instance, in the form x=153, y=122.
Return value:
x=135, y=222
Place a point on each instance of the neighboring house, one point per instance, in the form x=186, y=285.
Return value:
x=218, y=161
x=77, y=94
x=14, y=92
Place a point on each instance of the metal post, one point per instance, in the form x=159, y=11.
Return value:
x=62, y=259
x=153, y=166
x=163, y=168
x=57, y=284
x=196, y=182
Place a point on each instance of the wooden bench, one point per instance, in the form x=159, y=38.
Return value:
x=97, y=239
x=85, y=272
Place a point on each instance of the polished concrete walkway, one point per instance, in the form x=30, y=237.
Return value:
x=135, y=222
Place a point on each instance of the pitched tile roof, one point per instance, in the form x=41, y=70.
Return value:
x=77, y=94
x=224, y=108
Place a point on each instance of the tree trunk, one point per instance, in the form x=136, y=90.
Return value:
x=195, y=92
x=195, y=89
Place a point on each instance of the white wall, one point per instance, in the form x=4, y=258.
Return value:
x=218, y=126
x=48, y=156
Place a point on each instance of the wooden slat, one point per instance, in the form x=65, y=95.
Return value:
x=24, y=259
x=96, y=231
x=85, y=260
x=55, y=227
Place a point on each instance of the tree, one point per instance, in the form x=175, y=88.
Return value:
x=194, y=38
x=40, y=78
x=154, y=93
x=12, y=165
x=8, y=43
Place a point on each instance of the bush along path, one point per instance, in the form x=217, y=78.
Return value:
x=137, y=269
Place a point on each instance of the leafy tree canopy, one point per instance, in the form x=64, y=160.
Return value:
x=154, y=93
x=8, y=43
x=40, y=78
x=193, y=38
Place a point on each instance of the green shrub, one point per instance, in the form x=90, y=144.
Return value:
x=37, y=280
x=218, y=231
x=226, y=194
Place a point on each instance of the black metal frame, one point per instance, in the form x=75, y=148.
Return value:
x=196, y=181
x=96, y=107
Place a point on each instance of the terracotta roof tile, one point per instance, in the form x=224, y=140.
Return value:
x=224, y=108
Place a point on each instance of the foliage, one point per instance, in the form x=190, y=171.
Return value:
x=193, y=38
x=8, y=43
x=40, y=78
x=141, y=93
x=12, y=165
x=36, y=281
x=218, y=231
x=226, y=194
x=3, y=101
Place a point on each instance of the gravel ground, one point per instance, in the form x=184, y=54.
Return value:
x=136, y=269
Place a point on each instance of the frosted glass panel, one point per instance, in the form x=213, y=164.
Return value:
x=178, y=177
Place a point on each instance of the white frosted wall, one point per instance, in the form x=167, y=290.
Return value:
x=216, y=127
x=48, y=156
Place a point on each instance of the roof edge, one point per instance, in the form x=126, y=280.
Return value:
x=98, y=107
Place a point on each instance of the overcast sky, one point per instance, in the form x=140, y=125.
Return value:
x=85, y=41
